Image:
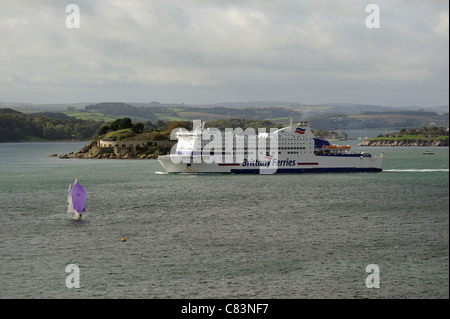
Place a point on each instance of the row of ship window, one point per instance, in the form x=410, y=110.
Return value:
x=246, y=153
x=255, y=143
x=255, y=149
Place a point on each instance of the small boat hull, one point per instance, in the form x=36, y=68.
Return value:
x=76, y=216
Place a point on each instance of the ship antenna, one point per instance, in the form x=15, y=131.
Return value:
x=290, y=123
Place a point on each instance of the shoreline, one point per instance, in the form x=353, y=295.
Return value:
x=406, y=143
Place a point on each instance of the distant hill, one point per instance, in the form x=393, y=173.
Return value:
x=353, y=116
x=116, y=110
x=327, y=116
x=379, y=120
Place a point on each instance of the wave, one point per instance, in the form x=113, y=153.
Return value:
x=425, y=170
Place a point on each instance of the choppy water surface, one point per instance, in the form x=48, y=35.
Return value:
x=222, y=236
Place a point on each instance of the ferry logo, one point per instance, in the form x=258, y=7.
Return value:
x=268, y=157
x=300, y=130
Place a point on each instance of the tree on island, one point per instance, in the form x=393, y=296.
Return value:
x=103, y=130
x=137, y=128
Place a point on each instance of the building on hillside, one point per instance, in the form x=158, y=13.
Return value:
x=121, y=147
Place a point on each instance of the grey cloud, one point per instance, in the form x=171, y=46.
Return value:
x=211, y=51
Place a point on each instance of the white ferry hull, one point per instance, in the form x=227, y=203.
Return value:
x=316, y=164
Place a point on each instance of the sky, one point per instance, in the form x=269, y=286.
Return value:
x=211, y=51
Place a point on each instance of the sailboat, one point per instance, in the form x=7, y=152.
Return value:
x=77, y=200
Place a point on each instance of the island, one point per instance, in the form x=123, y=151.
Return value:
x=423, y=136
x=125, y=140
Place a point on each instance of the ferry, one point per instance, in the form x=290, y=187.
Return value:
x=292, y=149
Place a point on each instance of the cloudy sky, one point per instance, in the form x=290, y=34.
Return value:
x=207, y=51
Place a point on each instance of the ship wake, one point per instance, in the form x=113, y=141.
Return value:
x=419, y=170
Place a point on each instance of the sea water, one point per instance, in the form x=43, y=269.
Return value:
x=222, y=236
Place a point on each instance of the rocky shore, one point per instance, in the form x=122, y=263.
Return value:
x=404, y=142
x=92, y=151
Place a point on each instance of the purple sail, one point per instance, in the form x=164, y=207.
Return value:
x=78, y=195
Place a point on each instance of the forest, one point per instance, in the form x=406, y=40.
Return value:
x=16, y=126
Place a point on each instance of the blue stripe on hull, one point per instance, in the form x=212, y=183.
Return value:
x=311, y=170
x=344, y=155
